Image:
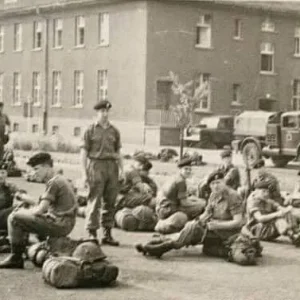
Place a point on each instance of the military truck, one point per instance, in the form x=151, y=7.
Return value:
x=283, y=139
x=250, y=131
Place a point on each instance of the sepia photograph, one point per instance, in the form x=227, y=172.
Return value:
x=149, y=149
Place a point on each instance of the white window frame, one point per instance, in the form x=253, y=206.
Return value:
x=297, y=42
x=267, y=49
x=205, y=22
x=202, y=79
x=103, y=29
x=2, y=34
x=268, y=25
x=102, y=85
x=75, y=131
x=37, y=30
x=237, y=35
x=10, y=1
x=296, y=94
x=236, y=93
x=16, y=127
x=78, y=89
x=17, y=84
x=18, y=36
x=56, y=89
x=36, y=88
x=58, y=33
x=1, y=86
x=79, y=25
x=35, y=126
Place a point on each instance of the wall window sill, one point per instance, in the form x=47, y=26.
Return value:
x=103, y=45
x=16, y=104
x=264, y=73
x=56, y=106
x=58, y=48
x=270, y=31
x=203, y=111
x=36, y=50
x=36, y=104
x=79, y=47
x=237, y=38
x=2, y=52
x=77, y=106
x=236, y=104
x=204, y=47
x=296, y=55
x=18, y=51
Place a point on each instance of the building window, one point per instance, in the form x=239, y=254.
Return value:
x=204, y=31
x=36, y=88
x=296, y=95
x=267, y=25
x=78, y=88
x=1, y=38
x=103, y=38
x=102, y=85
x=17, y=37
x=79, y=31
x=56, y=88
x=9, y=1
x=16, y=127
x=1, y=87
x=77, y=131
x=16, y=88
x=203, y=92
x=297, y=42
x=236, y=93
x=267, y=58
x=55, y=129
x=57, y=33
x=35, y=128
x=37, y=35
x=237, y=29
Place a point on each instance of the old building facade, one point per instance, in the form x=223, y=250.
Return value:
x=61, y=57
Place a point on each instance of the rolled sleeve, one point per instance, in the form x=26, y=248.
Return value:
x=236, y=205
x=50, y=192
x=118, y=144
x=252, y=206
x=86, y=140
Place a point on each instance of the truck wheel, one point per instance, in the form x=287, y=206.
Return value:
x=280, y=162
x=251, y=153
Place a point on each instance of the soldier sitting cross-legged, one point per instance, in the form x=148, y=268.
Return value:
x=53, y=216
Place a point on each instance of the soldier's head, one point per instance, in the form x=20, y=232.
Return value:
x=42, y=165
x=260, y=163
x=1, y=106
x=3, y=176
x=185, y=167
x=139, y=161
x=226, y=156
x=147, y=166
x=216, y=181
x=102, y=108
x=262, y=189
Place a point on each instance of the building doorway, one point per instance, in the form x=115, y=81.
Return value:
x=267, y=104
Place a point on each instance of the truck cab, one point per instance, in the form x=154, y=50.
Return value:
x=283, y=139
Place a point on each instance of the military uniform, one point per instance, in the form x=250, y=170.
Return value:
x=102, y=146
x=4, y=120
x=231, y=176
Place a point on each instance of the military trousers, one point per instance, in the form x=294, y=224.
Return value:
x=103, y=179
x=22, y=221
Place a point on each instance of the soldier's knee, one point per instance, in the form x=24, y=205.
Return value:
x=14, y=217
x=145, y=216
x=172, y=224
x=126, y=220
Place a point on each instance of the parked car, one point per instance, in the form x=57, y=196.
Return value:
x=212, y=132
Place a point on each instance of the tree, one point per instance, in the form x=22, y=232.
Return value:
x=188, y=98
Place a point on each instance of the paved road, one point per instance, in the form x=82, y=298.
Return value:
x=180, y=275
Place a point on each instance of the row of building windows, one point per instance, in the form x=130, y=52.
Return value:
x=55, y=129
x=204, y=32
x=56, y=100
x=57, y=36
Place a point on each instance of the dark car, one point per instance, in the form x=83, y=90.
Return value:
x=211, y=132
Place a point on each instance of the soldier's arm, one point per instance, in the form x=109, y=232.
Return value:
x=118, y=147
x=232, y=177
x=85, y=146
x=41, y=208
x=266, y=218
x=235, y=223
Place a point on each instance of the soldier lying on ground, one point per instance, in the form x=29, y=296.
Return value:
x=231, y=175
x=267, y=220
x=135, y=204
x=173, y=206
x=53, y=216
x=217, y=228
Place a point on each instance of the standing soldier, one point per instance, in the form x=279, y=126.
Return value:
x=101, y=159
x=4, y=130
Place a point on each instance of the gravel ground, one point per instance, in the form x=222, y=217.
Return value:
x=180, y=275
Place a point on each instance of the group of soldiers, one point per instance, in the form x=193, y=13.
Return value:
x=229, y=219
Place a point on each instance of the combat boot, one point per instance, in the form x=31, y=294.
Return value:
x=15, y=259
x=108, y=239
x=157, y=250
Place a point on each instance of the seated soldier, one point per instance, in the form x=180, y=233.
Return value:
x=215, y=228
x=53, y=216
x=266, y=219
x=263, y=174
x=174, y=207
x=135, y=211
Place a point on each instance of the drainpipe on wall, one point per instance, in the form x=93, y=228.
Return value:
x=46, y=78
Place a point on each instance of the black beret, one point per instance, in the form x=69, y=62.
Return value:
x=102, y=104
x=140, y=158
x=147, y=166
x=1, y=104
x=262, y=184
x=216, y=175
x=39, y=158
x=185, y=162
x=260, y=163
x=226, y=153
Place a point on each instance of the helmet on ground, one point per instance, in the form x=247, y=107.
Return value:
x=89, y=251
